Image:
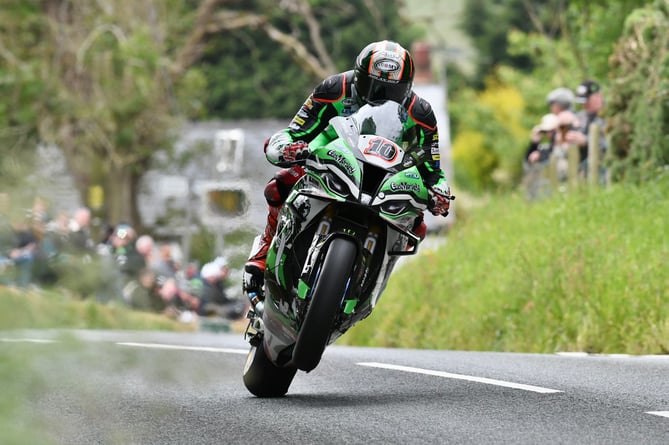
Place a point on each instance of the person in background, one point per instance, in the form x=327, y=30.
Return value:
x=560, y=99
x=141, y=293
x=79, y=227
x=537, y=155
x=542, y=138
x=589, y=94
x=23, y=252
x=567, y=135
x=128, y=260
x=213, y=298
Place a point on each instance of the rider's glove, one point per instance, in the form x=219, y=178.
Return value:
x=439, y=198
x=295, y=151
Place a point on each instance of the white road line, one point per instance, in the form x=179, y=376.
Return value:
x=26, y=340
x=183, y=348
x=659, y=413
x=462, y=377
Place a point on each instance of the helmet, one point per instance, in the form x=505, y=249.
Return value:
x=561, y=96
x=383, y=71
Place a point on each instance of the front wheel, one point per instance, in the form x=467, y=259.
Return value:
x=264, y=379
x=325, y=302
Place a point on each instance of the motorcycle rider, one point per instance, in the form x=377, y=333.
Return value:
x=383, y=70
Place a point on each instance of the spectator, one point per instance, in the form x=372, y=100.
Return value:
x=158, y=258
x=125, y=255
x=141, y=293
x=79, y=232
x=542, y=138
x=23, y=253
x=104, y=246
x=539, y=150
x=213, y=298
x=589, y=94
x=567, y=135
x=120, y=263
x=176, y=302
x=560, y=99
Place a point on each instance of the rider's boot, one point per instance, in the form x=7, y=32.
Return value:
x=254, y=269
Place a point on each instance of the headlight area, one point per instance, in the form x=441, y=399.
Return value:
x=395, y=208
x=335, y=185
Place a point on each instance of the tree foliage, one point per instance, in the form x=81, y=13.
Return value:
x=639, y=96
x=21, y=88
x=108, y=81
x=249, y=78
x=488, y=24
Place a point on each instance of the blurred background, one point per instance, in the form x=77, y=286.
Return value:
x=153, y=113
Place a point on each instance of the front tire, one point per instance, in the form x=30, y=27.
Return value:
x=325, y=302
x=264, y=379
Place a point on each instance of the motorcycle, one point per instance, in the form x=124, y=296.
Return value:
x=341, y=231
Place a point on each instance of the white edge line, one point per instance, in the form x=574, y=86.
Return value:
x=659, y=413
x=183, y=348
x=462, y=377
x=26, y=340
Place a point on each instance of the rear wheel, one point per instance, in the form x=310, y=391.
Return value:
x=325, y=302
x=264, y=379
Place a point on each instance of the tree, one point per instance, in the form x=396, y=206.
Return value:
x=639, y=115
x=249, y=78
x=108, y=81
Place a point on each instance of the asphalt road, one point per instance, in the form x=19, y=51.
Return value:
x=90, y=387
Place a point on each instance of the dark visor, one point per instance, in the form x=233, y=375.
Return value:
x=374, y=90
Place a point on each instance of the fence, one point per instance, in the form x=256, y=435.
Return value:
x=564, y=171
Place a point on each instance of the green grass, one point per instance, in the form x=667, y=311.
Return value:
x=52, y=309
x=580, y=272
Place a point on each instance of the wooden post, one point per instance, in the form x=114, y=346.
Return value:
x=593, y=154
x=572, y=169
x=553, y=171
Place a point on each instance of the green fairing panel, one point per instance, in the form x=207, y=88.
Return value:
x=407, y=181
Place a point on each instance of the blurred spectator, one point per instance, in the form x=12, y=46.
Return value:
x=120, y=263
x=567, y=135
x=176, y=301
x=79, y=232
x=141, y=293
x=560, y=99
x=22, y=253
x=104, y=247
x=157, y=258
x=212, y=295
x=539, y=150
x=126, y=256
x=589, y=94
x=542, y=138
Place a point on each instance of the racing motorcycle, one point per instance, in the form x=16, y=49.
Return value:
x=341, y=231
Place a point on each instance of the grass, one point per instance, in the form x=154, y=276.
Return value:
x=585, y=271
x=53, y=309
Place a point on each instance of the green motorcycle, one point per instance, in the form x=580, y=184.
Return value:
x=340, y=233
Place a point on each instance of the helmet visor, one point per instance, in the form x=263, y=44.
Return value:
x=375, y=90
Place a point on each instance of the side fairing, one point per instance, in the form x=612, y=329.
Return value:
x=401, y=197
x=335, y=170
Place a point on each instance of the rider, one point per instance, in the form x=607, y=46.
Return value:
x=383, y=71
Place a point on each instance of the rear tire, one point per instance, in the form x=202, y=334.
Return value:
x=264, y=379
x=325, y=303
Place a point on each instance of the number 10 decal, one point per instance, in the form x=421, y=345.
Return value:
x=382, y=148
